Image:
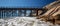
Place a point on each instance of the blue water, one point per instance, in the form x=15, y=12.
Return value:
x=24, y=3
x=15, y=13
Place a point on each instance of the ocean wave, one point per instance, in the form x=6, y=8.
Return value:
x=23, y=21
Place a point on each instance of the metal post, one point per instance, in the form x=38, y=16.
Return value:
x=24, y=12
x=36, y=12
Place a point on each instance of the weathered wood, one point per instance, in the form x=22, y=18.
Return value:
x=52, y=14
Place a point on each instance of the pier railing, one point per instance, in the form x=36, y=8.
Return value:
x=18, y=12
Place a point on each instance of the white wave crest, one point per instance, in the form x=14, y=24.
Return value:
x=23, y=21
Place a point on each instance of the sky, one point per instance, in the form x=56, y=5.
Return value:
x=24, y=3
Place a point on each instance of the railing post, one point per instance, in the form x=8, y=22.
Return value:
x=36, y=12
x=24, y=12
